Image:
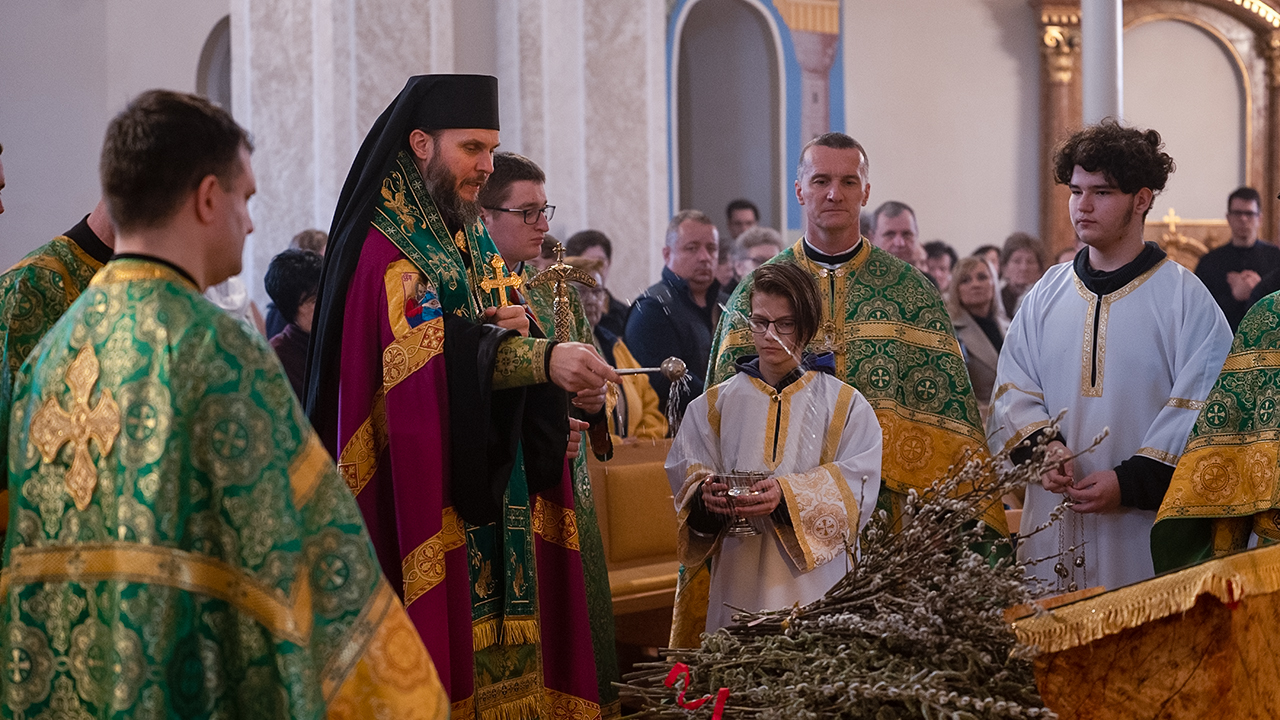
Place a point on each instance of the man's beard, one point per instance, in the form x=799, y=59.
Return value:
x=442, y=184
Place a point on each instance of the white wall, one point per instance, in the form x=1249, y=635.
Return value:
x=944, y=94
x=1193, y=97
x=68, y=67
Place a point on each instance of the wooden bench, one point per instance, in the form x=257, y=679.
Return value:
x=638, y=525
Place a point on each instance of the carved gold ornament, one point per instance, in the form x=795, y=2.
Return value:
x=52, y=427
x=501, y=280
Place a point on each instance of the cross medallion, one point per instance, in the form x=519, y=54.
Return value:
x=52, y=427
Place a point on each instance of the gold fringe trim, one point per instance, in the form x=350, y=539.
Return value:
x=525, y=708
x=1229, y=579
x=484, y=634
x=522, y=631
x=463, y=709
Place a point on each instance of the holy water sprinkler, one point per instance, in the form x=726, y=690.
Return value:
x=673, y=368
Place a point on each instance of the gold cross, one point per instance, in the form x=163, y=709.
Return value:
x=500, y=280
x=1172, y=221
x=52, y=427
x=558, y=276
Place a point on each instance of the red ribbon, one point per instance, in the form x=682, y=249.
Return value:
x=682, y=670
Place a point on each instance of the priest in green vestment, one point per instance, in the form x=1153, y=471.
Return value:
x=1227, y=482
x=517, y=216
x=885, y=323
x=35, y=292
x=180, y=543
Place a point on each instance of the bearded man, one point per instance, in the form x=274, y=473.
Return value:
x=449, y=422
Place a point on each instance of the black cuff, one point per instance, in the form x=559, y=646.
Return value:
x=780, y=514
x=701, y=519
x=1143, y=482
x=1026, y=449
x=546, y=359
x=591, y=419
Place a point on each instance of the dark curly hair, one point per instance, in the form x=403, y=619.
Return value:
x=1129, y=157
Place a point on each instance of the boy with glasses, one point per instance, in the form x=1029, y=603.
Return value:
x=786, y=416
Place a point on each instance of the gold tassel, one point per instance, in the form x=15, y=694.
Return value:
x=521, y=631
x=525, y=708
x=484, y=634
x=1229, y=579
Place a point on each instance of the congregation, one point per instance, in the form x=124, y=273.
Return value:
x=373, y=498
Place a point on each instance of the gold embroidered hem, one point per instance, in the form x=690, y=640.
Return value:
x=819, y=528
x=839, y=417
x=563, y=706
x=1024, y=433
x=689, y=616
x=520, y=698
x=384, y=675
x=424, y=568
x=1006, y=387
x=555, y=524
x=1228, y=579
x=1224, y=475
x=308, y=469
x=1184, y=404
x=358, y=461
x=285, y=617
x=1157, y=454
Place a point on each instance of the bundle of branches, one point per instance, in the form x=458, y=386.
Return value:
x=914, y=630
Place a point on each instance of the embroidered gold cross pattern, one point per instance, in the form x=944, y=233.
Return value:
x=52, y=427
x=500, y=280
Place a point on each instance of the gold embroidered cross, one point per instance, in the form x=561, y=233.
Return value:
x=52, y=427
x=500, y=280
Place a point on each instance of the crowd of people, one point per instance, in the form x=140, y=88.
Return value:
x=373, y=499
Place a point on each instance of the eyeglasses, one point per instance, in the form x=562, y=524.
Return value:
x=760, y=326
x=531, y=215
x=1242, y=213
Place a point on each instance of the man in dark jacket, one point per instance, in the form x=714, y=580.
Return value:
x=677, y=317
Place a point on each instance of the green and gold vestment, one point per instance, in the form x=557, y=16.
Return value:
x=893, y=341
x=599, y=599
x=180, y=543
x=33, y=295
x=1227, y=482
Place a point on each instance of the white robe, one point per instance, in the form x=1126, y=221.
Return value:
x=1161, y=341
x=827, y=461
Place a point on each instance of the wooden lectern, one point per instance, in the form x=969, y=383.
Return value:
x=1197, y=643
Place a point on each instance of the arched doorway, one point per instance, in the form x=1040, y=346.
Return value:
x=213, y=74
x=728, y=110
x=1184, y=80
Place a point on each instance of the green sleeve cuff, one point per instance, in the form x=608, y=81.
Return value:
x=521, y=361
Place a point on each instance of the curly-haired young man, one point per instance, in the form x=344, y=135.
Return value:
x=1125, y=340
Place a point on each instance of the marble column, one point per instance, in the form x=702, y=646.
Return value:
x=1060, y=115
x=815, y=52
x=309, y=77
x=582, y=88
x=1102, y=59
x=815, y=32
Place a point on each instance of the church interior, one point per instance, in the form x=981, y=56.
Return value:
x=637, y=109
